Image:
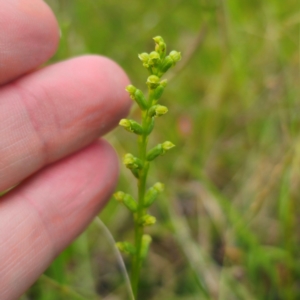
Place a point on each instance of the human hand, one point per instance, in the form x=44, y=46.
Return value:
x=50, y=121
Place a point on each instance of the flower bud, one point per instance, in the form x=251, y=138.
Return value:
x=152, y=193
x=152, y=82
x=154, y=58
x=160, y=149
x=140, y=99
x=126, y=248
x=146, y=241
x=137, y=96
x=127, y=200
x=131, y=126
x=158, y=39
x=157, y=93
x=167, y=64
x=144, y=57
x=176, y=56
x=160, y=46
x=166, y=146
x=157, y=110
x=119, y=196
x=150, y=127
x=147, y=220
x=132, y=162
x=159, y=187
x=164, y=83
x=154, y=152
x=130, y=89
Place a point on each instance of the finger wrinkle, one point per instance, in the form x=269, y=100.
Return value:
x=16, y=162
x=23, y=240
x=32, y=105
x=44, y=220
x=12, y=259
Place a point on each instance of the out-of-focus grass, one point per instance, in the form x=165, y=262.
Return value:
x=229, y=222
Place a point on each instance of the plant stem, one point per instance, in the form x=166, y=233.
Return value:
x=139, y=230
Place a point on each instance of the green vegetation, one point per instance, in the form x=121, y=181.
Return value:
x=229, y=217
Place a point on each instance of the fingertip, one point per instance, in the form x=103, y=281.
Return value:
x=106, y=75
x=29, y=37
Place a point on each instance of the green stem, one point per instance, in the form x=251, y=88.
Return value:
x=139, y=230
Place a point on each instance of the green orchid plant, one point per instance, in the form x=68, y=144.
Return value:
x=157, y=63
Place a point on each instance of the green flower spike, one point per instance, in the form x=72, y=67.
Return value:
x=157, y=63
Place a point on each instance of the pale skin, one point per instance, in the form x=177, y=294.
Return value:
x=51, y=121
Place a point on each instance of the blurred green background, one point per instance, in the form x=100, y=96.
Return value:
x=229, y=222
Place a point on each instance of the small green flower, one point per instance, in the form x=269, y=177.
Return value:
x=137, y=96
x=127, y=200
x=126, y=247
x=158, y=40
x=166, y=146
x=166, y=65
x=153, y=82
x=119, y=196
x=160, y=149
x=158, y=91
x=154, y=58
x=131, y=126
x=152, y=193
x=176, y=56
x=160, y=46
x=130, y=89
x=132, y=162
x=157, y=110
x=147, y=220
x=159, y=187
x=144, y=57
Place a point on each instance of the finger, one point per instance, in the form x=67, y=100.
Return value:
x=57, y=110
x=41, y=217
x=29, y=36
